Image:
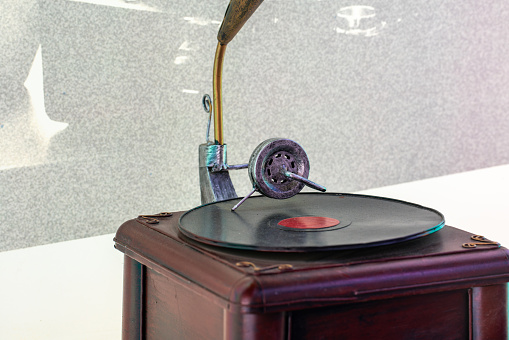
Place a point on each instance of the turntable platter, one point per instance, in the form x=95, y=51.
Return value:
x=309, y=222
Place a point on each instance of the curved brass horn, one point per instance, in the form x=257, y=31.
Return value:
x=237, y=13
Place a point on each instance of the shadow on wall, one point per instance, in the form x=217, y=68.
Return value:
x=26, y=133
x=25, y=128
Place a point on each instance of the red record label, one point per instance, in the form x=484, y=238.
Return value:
x=309, y=222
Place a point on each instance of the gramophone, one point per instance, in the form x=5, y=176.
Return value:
x=278, y=169
x=290, y=265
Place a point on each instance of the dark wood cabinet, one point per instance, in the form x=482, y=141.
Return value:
x=428, y=288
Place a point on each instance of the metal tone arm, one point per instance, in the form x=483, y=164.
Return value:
x=237, y=13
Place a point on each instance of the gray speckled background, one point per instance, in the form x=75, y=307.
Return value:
x=416, y=90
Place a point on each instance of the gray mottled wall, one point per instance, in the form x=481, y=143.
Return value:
x=413, y=89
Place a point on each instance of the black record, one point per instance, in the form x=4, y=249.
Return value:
x=261, y=222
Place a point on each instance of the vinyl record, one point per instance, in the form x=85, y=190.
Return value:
x=309, y=222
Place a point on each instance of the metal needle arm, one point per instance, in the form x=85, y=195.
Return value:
x=304, y=180
x=244, y=199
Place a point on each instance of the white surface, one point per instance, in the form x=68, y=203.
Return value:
x=68, y=290
x=73, y=290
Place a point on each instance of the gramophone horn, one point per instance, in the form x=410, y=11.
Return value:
x=237, y=13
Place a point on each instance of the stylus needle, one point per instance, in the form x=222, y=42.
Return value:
x=304, y=180
x=244, y=199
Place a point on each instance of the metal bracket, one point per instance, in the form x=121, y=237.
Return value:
x=279, y=267
x=152, y=219
x=215, y=181
x=481, y=241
